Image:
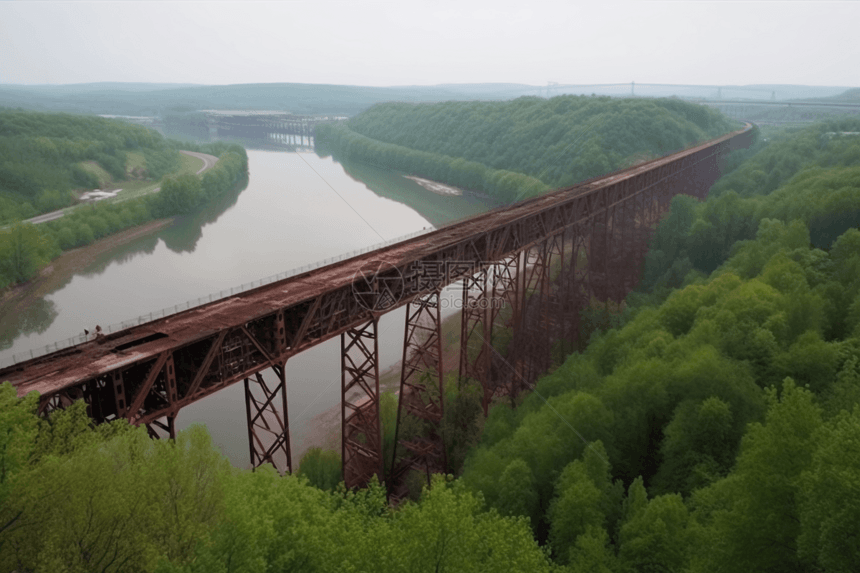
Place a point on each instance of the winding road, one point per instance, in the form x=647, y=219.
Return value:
x=209, y=162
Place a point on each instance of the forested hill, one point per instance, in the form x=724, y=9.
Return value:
x=810, y=174
x=46, y=159
x=44, y=156
x=715, y=430
x=718, y=427
x=555, y=142
x=314, y=99
x=851, y=95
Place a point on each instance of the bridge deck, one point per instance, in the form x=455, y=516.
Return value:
x=63, y=369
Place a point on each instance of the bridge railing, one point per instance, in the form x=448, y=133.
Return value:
x=143, y=319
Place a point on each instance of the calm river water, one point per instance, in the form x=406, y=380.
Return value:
x=298, y=208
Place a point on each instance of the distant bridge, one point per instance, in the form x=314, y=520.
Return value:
x=298, y=129
x=545, y=259
x=806, y=111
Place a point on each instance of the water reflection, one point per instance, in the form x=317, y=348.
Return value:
x=183, y=236
x=27, y=319
x=438, y=209
x=31, y=319
x=298, y=208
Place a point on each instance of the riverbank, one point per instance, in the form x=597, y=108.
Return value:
x=435, y=186
x=63, y=268
x=293, y=221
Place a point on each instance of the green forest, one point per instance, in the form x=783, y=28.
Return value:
x=716, y=427
x=44, y=158
x=522, y=148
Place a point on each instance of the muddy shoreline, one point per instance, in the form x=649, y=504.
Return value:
x=70, y=263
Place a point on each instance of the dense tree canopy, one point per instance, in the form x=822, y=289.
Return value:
x=722, y=399
x=26, y=248
x=521, y=148
x=714, y=428
x=43, y=157
x=811, y=175
x=74, y=498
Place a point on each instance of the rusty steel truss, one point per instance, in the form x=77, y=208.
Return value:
x=545, y=258
x=422, y=391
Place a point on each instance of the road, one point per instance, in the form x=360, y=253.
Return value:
x=209, y=162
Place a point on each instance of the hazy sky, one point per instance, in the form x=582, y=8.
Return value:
x=405, y=42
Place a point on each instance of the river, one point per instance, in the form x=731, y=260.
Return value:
x=298, y=208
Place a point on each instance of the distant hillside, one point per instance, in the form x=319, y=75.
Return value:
x=309, y=99
x=851, y=96
x=523, y=147
x=141, y=99
x=43, y=157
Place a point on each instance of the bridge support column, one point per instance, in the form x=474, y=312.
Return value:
x=268, y=422
x=361, y=444
x=580, y=287
x=162, y=429
x=639, y=235
x=620, y=263
x=506, y=320
x=598, y=250
x=422, y=391
x=475, y=333
x=541, y=307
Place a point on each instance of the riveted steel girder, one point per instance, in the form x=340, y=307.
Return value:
x=149, y=372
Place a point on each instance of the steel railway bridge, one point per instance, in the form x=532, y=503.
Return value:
x=545, y=259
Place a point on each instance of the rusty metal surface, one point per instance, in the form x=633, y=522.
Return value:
x=268, y=421
x=361, y=431
x=422, y=390
x=150, y=371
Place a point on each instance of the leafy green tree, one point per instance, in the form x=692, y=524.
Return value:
x=593, y=553
x=586, y=502
x=829, y=504
x=656, y=538
x=699, y=446
x=18, y=430
x=517, y=493
x=24, y=249
x=322, y=468
x=752, y=518
x=178, y=195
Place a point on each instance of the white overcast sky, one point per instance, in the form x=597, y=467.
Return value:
x=403, y=42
